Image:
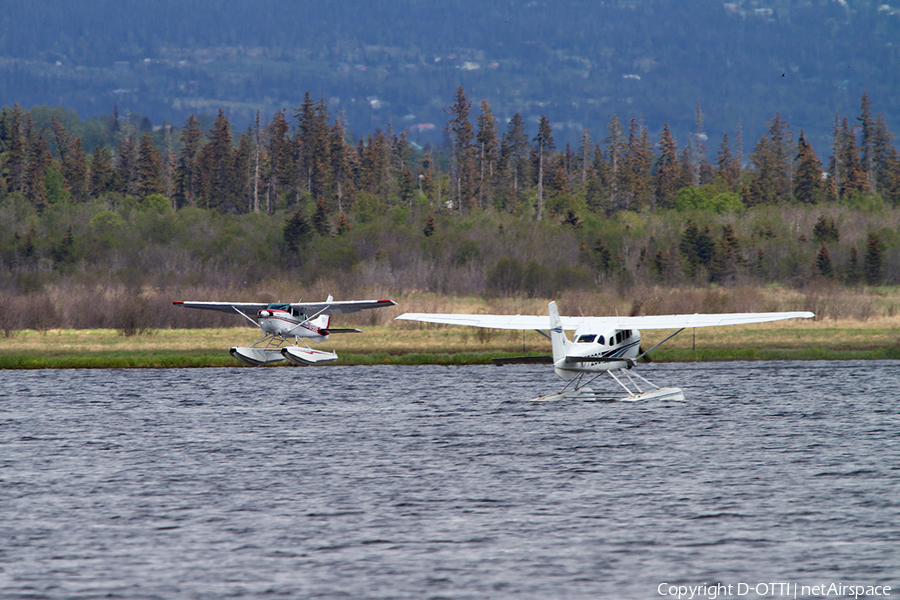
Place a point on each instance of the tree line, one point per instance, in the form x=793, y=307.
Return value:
x=324, y=198
x=309, y=154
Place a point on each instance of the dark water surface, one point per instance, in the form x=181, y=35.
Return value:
x=445, y=482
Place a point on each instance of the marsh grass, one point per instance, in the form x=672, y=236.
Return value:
x=849, y=322
x=400, y=343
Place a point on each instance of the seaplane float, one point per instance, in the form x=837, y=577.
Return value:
x=286, y=325
x=600, y=345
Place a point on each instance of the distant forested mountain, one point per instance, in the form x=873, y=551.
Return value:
x=396, y=63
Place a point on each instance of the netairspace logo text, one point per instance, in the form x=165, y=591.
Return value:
x=771, y=590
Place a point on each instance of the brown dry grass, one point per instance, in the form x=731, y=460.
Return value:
x=410, y=338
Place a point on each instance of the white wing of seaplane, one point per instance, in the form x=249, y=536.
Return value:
x=600, y=344
x=282, y=322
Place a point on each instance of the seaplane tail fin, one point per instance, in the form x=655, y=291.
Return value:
x=322, y=321
x=559, y=342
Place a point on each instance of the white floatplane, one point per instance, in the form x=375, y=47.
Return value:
x=600, y=345
x=282, y=322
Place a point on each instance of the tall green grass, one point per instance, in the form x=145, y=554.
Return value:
x=175, y=359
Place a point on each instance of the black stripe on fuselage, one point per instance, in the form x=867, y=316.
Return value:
x=608, y=356
x=293, y=322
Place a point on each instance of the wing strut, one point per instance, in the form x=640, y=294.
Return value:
x=246, y=317
x=666, y=339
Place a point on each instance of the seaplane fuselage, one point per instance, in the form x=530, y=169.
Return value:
x=287, y=322
x=595, y=350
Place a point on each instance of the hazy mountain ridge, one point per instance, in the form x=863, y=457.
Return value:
x=577, y=62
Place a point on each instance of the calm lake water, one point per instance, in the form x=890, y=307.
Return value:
x=445, y=482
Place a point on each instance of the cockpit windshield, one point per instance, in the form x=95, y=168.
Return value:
x=586, y=339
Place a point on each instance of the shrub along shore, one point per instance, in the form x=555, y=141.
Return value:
x=413, y=344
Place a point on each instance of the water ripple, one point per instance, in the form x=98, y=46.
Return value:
x=442, y=482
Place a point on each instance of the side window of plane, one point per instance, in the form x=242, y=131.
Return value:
x=601, y=340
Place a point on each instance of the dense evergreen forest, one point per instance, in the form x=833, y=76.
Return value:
x=504, y=211
x=396, y=63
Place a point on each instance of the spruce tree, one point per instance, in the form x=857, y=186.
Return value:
x=852, y=273
x=874, y=251
x=375, y=166
x=72, y=160
x=772, y=164
x=514, y=157
x=597, y=193
x=891, y=178
x=638, y=162
x=297, y=232
x=216, y=166
x=102, y=176
x=341, y=170
x=866, y=142
x=16, y=149
x=148, y=170
x=488, y=147
x=808, y=187
x=726, y=257
x=826, y=231
x=823, y=263
x=854, y=179
x=835, y=164
x=544, y=145
x=406, y=187
x=727, y=166
x=126, y=162
x=187, y=176
x=461, y=139
x=585, y=154
x=684, y=170
x=558, y=179
x=313, y=147
x=320, y=218
x=697, y=249
x=242, y=189
x=427, y=177
x=615, y=150
x=36, y=170
x=282, y=170
x=305, y=141
x=882, y=147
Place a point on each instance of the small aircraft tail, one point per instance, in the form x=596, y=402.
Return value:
x=560, y=343
x=323, y=321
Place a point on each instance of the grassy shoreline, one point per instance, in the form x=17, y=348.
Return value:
x=413, y=344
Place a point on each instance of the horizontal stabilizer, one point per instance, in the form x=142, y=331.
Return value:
x=523, y=360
